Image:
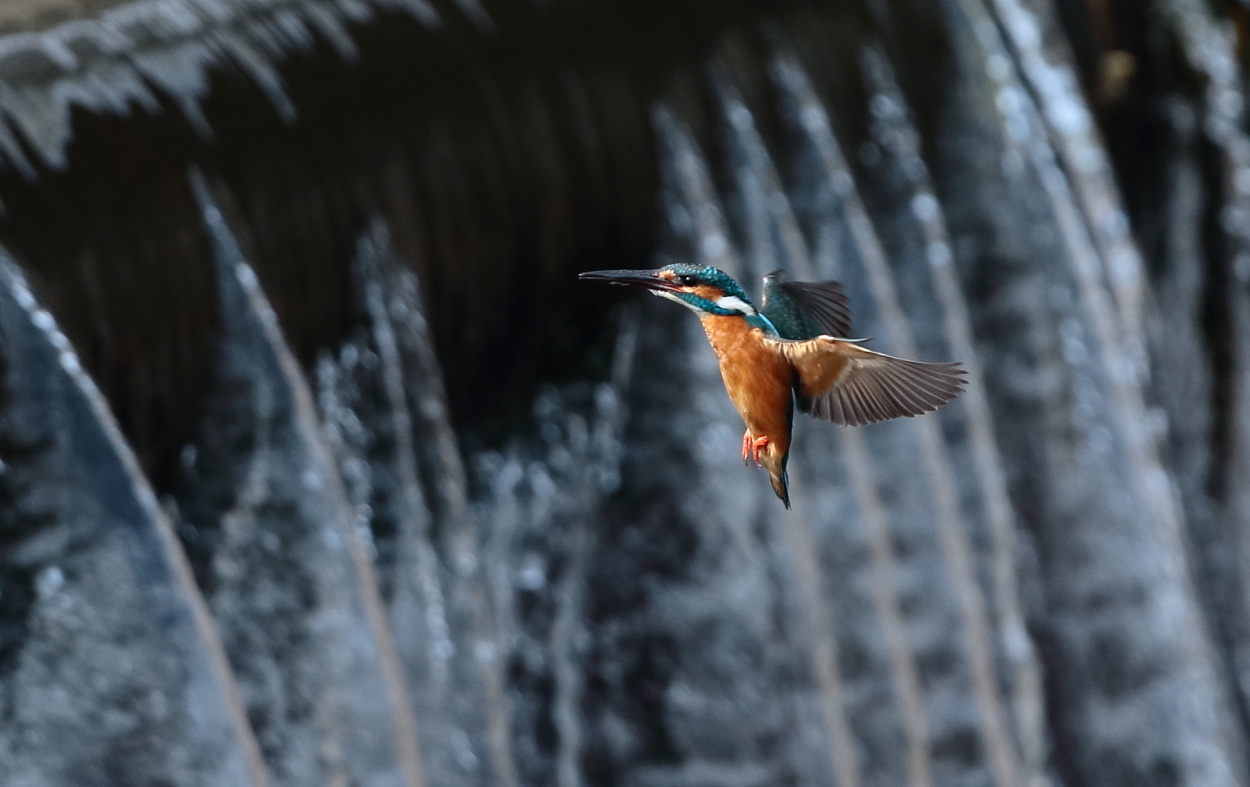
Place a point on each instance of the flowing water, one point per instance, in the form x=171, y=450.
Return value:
x=1000, y=593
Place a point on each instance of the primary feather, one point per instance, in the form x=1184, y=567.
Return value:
x=840, y=381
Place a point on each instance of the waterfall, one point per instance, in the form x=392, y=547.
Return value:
x=318, y=466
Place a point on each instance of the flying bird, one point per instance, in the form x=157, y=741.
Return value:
x=793, y=351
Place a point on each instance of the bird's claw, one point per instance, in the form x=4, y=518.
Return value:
x=757, y=448
x=752, y=448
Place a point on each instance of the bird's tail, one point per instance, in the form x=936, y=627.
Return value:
x=780, y=478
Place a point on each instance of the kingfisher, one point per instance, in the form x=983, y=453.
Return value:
x=793, y=351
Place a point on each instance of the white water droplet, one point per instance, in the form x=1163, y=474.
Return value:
x=43, y=320
x=49, y=581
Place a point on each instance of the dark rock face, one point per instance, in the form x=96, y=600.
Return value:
x=376, y=494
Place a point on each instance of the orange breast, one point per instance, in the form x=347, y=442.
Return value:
x=757, y=380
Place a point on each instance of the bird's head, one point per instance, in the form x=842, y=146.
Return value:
x=704, y=289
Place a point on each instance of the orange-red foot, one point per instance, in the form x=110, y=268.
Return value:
x=758, y=447
x=746, y=446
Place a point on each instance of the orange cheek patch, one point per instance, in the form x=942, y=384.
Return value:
x=706, y=293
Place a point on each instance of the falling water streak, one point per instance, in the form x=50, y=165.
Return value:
x=1027, y=703
x=253, y=492
x=951, y=527
x=256, y=64
x=329, y=385
x=773, y=236
x=323, y=20
x=803, y=110
x=603, y=460
x=372, y=252
x=1210, y=50
x=687, y=171
x=823, y=641
x=209, y=636
x=567, y=677
x=462, y=543
x=1073, y=136
x=176, y=559
x=904, y=675
x=858, y=461
x=231, y=257
x=1128, y=409
x=952, y=535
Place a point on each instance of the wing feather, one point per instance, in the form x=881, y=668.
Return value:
x=805, y=309
x=845, y=383
x=824, y=302
x=863, y=403
x=895, y=397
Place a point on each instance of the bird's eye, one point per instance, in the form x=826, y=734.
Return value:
x=686, y=281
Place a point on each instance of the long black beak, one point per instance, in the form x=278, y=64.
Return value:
x=646, y=279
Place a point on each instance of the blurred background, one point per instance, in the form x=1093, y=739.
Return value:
x=318, y=466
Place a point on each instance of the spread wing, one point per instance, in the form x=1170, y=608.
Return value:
x=840, y=381
x=805, y=309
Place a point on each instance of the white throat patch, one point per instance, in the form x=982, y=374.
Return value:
x=735, y=304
